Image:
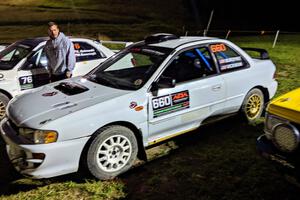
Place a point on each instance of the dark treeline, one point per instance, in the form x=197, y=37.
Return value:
x=244, y=15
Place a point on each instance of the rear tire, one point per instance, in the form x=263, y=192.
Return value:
x=3, y=104
x=253, y=105
x=112, y=152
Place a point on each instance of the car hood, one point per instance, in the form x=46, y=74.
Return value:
x=287, y=106
x=38, y=107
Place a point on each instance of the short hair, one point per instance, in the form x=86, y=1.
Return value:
x=50, y=24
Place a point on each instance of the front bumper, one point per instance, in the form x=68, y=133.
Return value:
x=42, y=160
x=286, y=162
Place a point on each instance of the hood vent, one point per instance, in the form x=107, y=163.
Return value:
x=70, y=88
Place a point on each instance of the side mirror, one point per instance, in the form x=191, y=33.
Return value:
x=163, y=82
x=166, y=82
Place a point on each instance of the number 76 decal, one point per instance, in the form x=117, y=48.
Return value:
x=25, y=80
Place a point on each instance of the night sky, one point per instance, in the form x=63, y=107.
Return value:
x=246, y=15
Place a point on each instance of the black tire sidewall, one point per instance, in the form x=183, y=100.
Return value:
x=100, y=137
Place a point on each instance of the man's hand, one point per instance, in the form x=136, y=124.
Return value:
x=69, y=74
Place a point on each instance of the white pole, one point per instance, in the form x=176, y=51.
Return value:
x=186, y=33
x=227, y=35
x=209, y=21
x=275, y=40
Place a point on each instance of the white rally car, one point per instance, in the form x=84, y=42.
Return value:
x=147, y=93
x=3, y=46
x=23, y=65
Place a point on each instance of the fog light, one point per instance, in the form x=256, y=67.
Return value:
x=285, y=137
x=40, y=156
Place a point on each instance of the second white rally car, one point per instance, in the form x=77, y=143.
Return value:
x=149, y=92
x=23, y=65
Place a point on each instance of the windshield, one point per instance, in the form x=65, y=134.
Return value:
x=11, y=55
x=131, y=68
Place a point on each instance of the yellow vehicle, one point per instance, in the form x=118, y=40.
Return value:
x=280, y=143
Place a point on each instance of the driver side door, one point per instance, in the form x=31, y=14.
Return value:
x=34, y=72
x=198, y=94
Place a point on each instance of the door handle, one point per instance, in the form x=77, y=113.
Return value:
x=216, y=87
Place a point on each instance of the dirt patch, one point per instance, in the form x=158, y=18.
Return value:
x=218, y=161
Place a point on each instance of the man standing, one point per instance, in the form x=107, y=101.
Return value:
x=60, y=54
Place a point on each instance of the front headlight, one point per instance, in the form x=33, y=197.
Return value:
x=39, y=136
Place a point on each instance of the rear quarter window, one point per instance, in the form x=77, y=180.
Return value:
x=86, y=52
x=228, y=59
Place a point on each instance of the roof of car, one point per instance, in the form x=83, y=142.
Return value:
x=33, y=41
x=181, y=41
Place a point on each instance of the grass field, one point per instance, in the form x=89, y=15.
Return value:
x=286, y=56
x=218, y=161
x=105, y=19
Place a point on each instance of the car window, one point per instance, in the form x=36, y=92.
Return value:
x=15, y=54
x=192, y=64
x=42, y=62
x=85, y=52
x=228, y=59
x=132, y=60
x=10, y=56
x=131, y=68
x=37, y=60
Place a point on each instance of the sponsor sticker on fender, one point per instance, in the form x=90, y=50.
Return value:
x=133, y=104
x=170, y=103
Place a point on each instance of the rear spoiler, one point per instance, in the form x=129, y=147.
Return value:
x=264, y=55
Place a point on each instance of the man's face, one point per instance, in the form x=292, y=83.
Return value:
x=53, y=31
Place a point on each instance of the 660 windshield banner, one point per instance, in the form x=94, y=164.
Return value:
x=170, y=103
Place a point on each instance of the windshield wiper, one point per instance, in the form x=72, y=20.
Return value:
x=101, y=79
x=91, y=77
x=109, y=81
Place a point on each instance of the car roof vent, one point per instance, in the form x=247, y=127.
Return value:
x=160, y=37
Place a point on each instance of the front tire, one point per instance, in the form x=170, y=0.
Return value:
x=3, y=104
x=112, y=152
x=253, y=105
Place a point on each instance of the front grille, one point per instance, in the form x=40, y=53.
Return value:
x=13, y=131
x=13, y=126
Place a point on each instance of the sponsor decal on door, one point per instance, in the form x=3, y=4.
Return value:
x=170, y=103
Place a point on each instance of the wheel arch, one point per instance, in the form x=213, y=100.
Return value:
x=264, y=91
x=6, y=93
x=137, y=133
